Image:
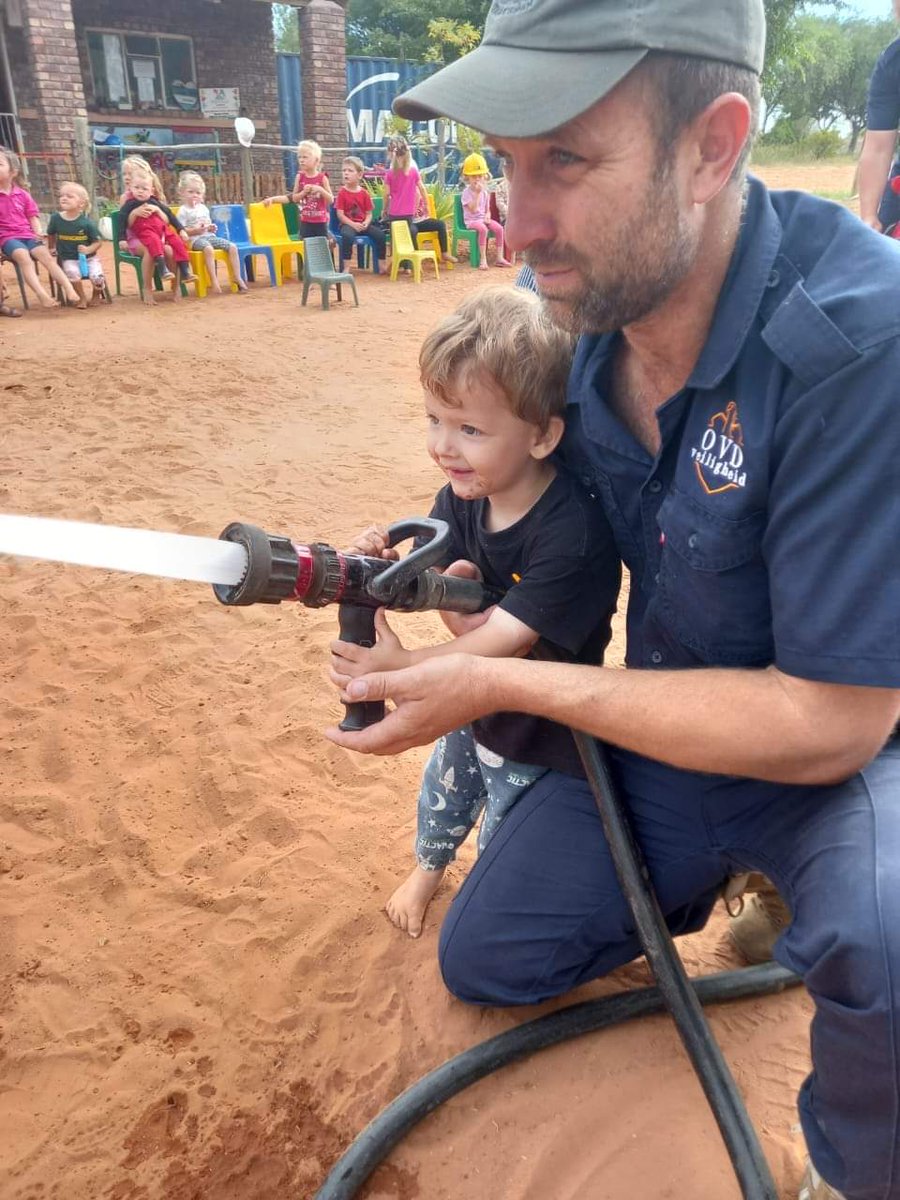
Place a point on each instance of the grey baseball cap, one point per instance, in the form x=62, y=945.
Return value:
x=542, y=62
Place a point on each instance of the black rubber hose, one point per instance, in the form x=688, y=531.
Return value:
x=735, y=1125
x=392, y=1124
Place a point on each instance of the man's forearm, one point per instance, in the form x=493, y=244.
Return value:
x=760, y=724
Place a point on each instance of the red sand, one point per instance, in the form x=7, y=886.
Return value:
x=200, y=996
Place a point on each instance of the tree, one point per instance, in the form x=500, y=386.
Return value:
x=400, y=28
x=286, y=28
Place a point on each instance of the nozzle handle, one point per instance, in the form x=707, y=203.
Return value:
x=357, y=624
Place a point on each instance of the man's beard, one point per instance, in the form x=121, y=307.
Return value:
x=625, y=279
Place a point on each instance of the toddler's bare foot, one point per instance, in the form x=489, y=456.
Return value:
x=47, y=301
x=407, y=906
x=148, y=299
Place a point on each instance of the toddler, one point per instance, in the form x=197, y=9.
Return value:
x=495, y=374
x=73, y=236
x=21, y=239
x=476, y=203
x=311, y=191
x=354, y=207
x=155, y=226
x=200, y=228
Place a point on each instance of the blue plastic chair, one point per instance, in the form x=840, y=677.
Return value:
x=365, y=245
x=231, y=222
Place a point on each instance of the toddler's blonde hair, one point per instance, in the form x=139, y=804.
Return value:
x=191, y=179
x=80, y=192
x=356, y=163
x=309, y=144
x=505, y=332
x=134, y=163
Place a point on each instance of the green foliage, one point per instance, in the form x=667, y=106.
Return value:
x=824, y=143
x=443, y=201
x=400, y=28
x=468, y=141
x=286, y=28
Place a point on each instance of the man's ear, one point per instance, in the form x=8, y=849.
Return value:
x=718, y=134
x=545, y=443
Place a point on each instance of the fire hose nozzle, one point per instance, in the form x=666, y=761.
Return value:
x=272, y=566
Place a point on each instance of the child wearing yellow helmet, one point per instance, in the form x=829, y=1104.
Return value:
x=476, y=202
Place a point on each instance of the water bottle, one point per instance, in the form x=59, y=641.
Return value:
x=82, y=265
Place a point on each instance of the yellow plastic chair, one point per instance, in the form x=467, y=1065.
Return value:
x=402, y=250
x=269, y=228
x=432, y=239
x=198, y=268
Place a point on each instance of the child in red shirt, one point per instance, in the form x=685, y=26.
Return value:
x=354, y=208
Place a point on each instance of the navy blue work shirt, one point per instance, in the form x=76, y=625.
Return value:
x=883, y=114
x=767, y=528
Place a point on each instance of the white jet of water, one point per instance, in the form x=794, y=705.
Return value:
x=140, y=551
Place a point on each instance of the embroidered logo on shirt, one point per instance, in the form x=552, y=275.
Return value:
x=720, y=456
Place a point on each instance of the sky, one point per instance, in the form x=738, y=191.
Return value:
x=872, y=8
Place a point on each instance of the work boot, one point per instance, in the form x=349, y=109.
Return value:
x=762, y=918
x=814, y=1186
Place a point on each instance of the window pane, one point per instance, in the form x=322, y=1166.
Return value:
x=146, y=46
x=178, y=73
x=108, y=69
x=144, y=76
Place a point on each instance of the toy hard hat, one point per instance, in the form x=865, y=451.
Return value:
x=475, y=165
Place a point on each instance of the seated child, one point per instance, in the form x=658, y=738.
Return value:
x=21, y=239
x=354, y=208
x=155, y=226
x=495, y=374
x=476, y=202
x=200, y=228
x=311, y=191
x=71, y=234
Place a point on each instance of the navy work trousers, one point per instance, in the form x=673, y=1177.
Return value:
x=542, y=912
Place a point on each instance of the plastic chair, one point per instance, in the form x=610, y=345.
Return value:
x=292, y=221
x=19, y=279
x=123, y=258
x=404, y=251
x=200, y=269
x=431, y=238
x=268, y=228
x=231, y=223
x=318, y=268
x=461, y=234
x=366, y=250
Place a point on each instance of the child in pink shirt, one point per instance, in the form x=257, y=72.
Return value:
x=403, y=191
x=21, y=239
x=476, y=205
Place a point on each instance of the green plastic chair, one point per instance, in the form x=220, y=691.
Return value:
x=460, y=233
x=318, y=268
x=123, y=258
x=292, y=221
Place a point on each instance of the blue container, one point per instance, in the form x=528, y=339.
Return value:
x=82, y=265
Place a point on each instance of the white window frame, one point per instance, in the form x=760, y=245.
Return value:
x=122, y=34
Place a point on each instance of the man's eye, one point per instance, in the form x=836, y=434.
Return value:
x=564, y=158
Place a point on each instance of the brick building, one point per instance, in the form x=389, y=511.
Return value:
x=177, y=71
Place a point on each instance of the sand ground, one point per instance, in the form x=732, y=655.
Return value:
x=200, y=996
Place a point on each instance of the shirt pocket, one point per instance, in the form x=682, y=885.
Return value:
x=713, y=588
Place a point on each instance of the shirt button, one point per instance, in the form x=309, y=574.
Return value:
x=655, y=486
x=656, y=577
x=694, y=541
x=774, y=279
x=656, y=657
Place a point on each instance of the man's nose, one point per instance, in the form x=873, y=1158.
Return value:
x=529, y=217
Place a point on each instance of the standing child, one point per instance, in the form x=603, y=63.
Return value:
x=354, y=208
x=404, y=191
x=200, y=228
x=21, y=239
x=74, y=238
x=476, y=203
x=495, y=376
x=156, y=226
x=311, y=191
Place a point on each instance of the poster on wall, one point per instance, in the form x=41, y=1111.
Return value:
x=220, y=102
x=113, y=141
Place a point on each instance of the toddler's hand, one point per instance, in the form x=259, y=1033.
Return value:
x=349, y=660
x=268, y=202
x=373, y=542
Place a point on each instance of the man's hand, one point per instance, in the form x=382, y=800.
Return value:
x=431, y=698
x=349, y=660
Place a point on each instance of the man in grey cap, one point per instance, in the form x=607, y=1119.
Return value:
x=733, y=408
